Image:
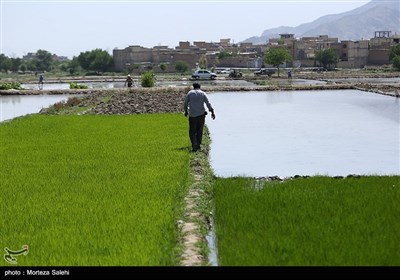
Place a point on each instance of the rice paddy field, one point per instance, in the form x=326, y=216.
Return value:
x=316, y=221
x=108, y=191
x=93, y=190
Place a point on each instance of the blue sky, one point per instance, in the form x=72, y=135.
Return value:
x=70, y=27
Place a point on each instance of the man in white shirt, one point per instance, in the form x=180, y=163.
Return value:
x=194, y=107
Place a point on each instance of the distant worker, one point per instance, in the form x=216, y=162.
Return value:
x=41, y=79
x=194, y=107
x=289, y=74
x=129, y=81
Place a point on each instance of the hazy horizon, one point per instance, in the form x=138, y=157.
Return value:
x=69, y=27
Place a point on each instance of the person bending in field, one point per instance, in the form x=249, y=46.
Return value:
x=194, y=107
x=128, y=81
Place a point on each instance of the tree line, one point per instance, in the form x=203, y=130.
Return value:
x=97, y=60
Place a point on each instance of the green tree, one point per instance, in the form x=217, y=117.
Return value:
x=96, y=60
x=396, y=62
x=277, y=56
x=63, y=66
x=103, y=61
x=23, y=67
x=5, y=63
x=181, y=66
x=394, y=56
x=147, y=79
x=394, y=51
x=327, y=58
x=44, y=60
x=15, y=64
x=73, y=65
x=31, y=64
x=84, y=59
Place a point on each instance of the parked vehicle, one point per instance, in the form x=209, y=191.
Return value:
x=226, y=71
x=235, y=74
x=265, y=71
x=203, y=74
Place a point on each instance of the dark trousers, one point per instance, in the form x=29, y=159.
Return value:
x=196, y=125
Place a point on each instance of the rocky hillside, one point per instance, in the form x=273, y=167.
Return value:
x=360, y=23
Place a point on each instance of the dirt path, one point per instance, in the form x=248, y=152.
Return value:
x=196, y=223
x=190, y=228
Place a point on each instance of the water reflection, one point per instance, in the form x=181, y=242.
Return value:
x=12, y=106
x=306, y=133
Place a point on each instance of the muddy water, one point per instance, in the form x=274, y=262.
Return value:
x=12, y=106
x=332, y=133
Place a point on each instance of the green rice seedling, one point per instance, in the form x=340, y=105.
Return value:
x=93, y=190
x=317, y=221
x=73, y=85
x=8, y=86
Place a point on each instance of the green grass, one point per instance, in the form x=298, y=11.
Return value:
x=318, y=221
x=93, y=190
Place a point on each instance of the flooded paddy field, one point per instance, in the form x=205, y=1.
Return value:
x=267, y=131
x=12, y=106
x=290, y=133
x=260, y=131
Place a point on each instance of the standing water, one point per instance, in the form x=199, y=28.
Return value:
x=287, y=133
x=212, y=245
x=12, y=106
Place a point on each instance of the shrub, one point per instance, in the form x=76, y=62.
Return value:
x=71, y=102
x=163, y=67
x=148, y=79
x=181, y=66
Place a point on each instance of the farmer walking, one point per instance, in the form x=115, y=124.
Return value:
x=194, y=107
x=41, y=81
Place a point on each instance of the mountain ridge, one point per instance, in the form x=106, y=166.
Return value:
x=356, y=24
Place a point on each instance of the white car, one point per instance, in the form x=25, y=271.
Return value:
x=226, y=71
x=203, y=74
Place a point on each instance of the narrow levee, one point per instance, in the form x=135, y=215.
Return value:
x=196, y=224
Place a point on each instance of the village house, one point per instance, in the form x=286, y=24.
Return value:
x=351, y=54
x=380, y=47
